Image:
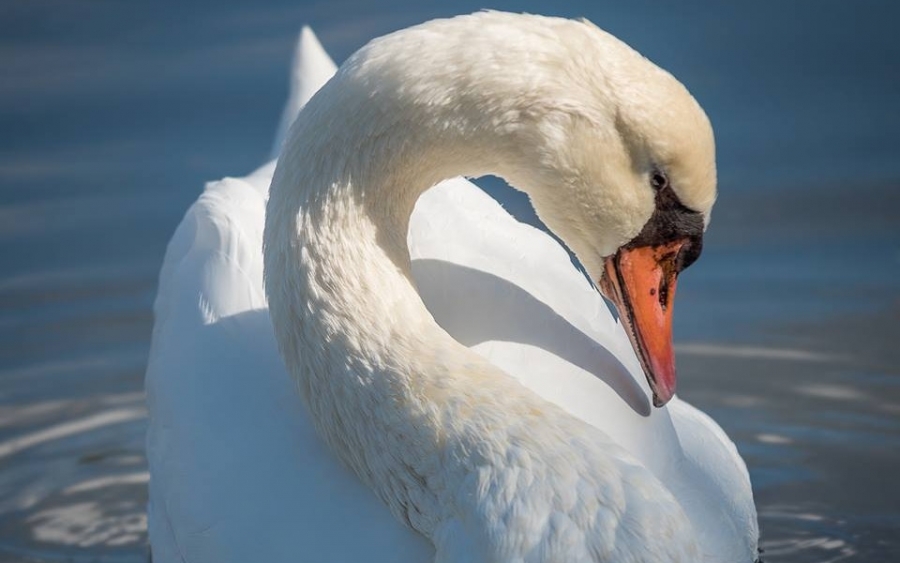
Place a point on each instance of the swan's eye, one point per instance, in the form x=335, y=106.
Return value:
x=659, y=181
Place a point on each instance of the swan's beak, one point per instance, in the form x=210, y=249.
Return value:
x=641, y=282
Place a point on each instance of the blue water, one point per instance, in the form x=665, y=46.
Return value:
x=112, y=115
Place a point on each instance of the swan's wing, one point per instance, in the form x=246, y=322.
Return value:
x=510, y=292
x=715, y=473
x=312, y=69
x=237, y=471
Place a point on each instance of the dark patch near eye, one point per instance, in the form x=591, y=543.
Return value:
x=672, y=221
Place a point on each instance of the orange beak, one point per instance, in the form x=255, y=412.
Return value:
x=641, y=283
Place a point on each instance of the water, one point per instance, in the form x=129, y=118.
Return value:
x=112, y=115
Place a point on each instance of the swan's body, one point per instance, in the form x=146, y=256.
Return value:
x=542, y=446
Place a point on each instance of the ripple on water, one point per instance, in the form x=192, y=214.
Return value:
x=800, y=536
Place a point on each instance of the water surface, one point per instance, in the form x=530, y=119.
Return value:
x=112, y=115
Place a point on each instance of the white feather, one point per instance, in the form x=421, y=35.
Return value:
x=571, y=465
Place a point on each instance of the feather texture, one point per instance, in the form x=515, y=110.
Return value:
x=508, y=421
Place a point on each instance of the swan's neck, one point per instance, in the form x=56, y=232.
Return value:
x=453, y=445
x=386, y=386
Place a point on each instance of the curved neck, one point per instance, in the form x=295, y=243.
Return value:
x=428, y=424
x=383, y=382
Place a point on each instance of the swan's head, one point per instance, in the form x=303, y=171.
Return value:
x=623, y=171
x=617, y=157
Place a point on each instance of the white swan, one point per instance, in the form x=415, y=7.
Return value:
x=526, y=436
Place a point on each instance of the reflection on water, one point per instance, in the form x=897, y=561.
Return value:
x=72, y=416
x=786, y=327
x=818, y=426
x=806, y=536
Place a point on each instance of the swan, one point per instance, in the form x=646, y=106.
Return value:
x=464, y=395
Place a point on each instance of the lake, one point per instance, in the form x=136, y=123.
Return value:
x=113, y=115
